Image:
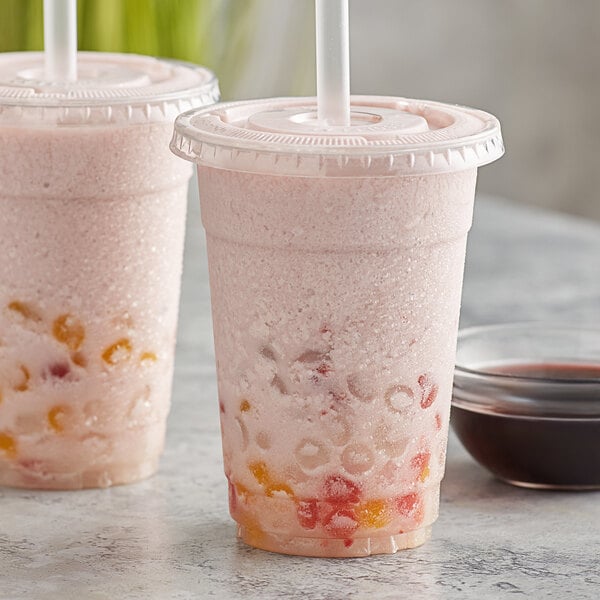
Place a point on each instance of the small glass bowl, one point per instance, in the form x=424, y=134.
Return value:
x=526, y=403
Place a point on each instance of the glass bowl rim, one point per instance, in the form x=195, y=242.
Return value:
x=532, y=326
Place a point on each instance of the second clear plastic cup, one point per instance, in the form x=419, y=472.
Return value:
x=336, y=261
x=92, y=221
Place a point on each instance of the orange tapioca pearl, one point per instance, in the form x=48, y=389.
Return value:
x=25, y=310
x=23, y=384
x=277, y=488
x=253, y=534
x=263, y=477
x=373, y=514
x=68, y=330
x=148, y=357
x=79, y=359
x=117, y=352
x=57, y=416
x=8, y=445
x=260, y=472
x=244, y=405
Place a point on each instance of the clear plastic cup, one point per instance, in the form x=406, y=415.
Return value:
x=92, y=214
x=336, y=260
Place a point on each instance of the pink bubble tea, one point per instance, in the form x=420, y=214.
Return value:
x=92, y=212
x=336, y=260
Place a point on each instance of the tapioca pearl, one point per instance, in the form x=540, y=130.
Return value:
x=279, y=385
x=29, y=423
x=399, y=398
x=244, y=405
x=312, y=357
x=8, y=445
x=268, y=353
x=117, y=353
x=357, y=459
x=260, y=471
x=310, y=454
x=56, y=371
x=58, y=417
x=340, y=490
x=263, y=440
x=278, y=489
x=373, y=514
x=68, y=330
x=140, y=407
x=23, y=379
x=79, y=359
x=341, y=523
x=420, y=463
x=100, y=444
x=360, y=387
x=307, y=512
x=147, y=358
x=429, y=390
x=389, y=443
x=312, y=365
x=25, y=311
x=100, y=414
x=408, y=504
x=336, y=428
x=243, y=437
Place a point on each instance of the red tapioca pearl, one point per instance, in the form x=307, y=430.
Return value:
x=340, y=490
x=429, y=390
x=341, y=523
x=337, y=399
x=324, y=369
x=438, y=421
x=59, y=370
x=411, y=506
x=348, y=542
x=308, y=513
x=420, y=462
x=406, y=505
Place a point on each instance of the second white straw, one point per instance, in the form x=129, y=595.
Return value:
x=333, y=62
x=60, y=40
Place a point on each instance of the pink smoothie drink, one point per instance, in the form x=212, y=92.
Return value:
x=336, y=261
x=92, y=212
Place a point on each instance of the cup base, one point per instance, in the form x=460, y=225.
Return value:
x=333, y=548
x=99, y=477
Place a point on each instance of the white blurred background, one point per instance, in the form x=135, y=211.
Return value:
x=535, y=64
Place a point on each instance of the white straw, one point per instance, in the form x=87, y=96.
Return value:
x=60, y=40
x=333, y=62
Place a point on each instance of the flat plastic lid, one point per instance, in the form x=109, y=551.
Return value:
x=387, y=137
x=111, y=89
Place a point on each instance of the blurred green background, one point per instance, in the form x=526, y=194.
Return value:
x=191, y=30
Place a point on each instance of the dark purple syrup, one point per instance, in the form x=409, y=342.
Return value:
x=554, y=450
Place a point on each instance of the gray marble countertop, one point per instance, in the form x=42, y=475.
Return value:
x=171, y=536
